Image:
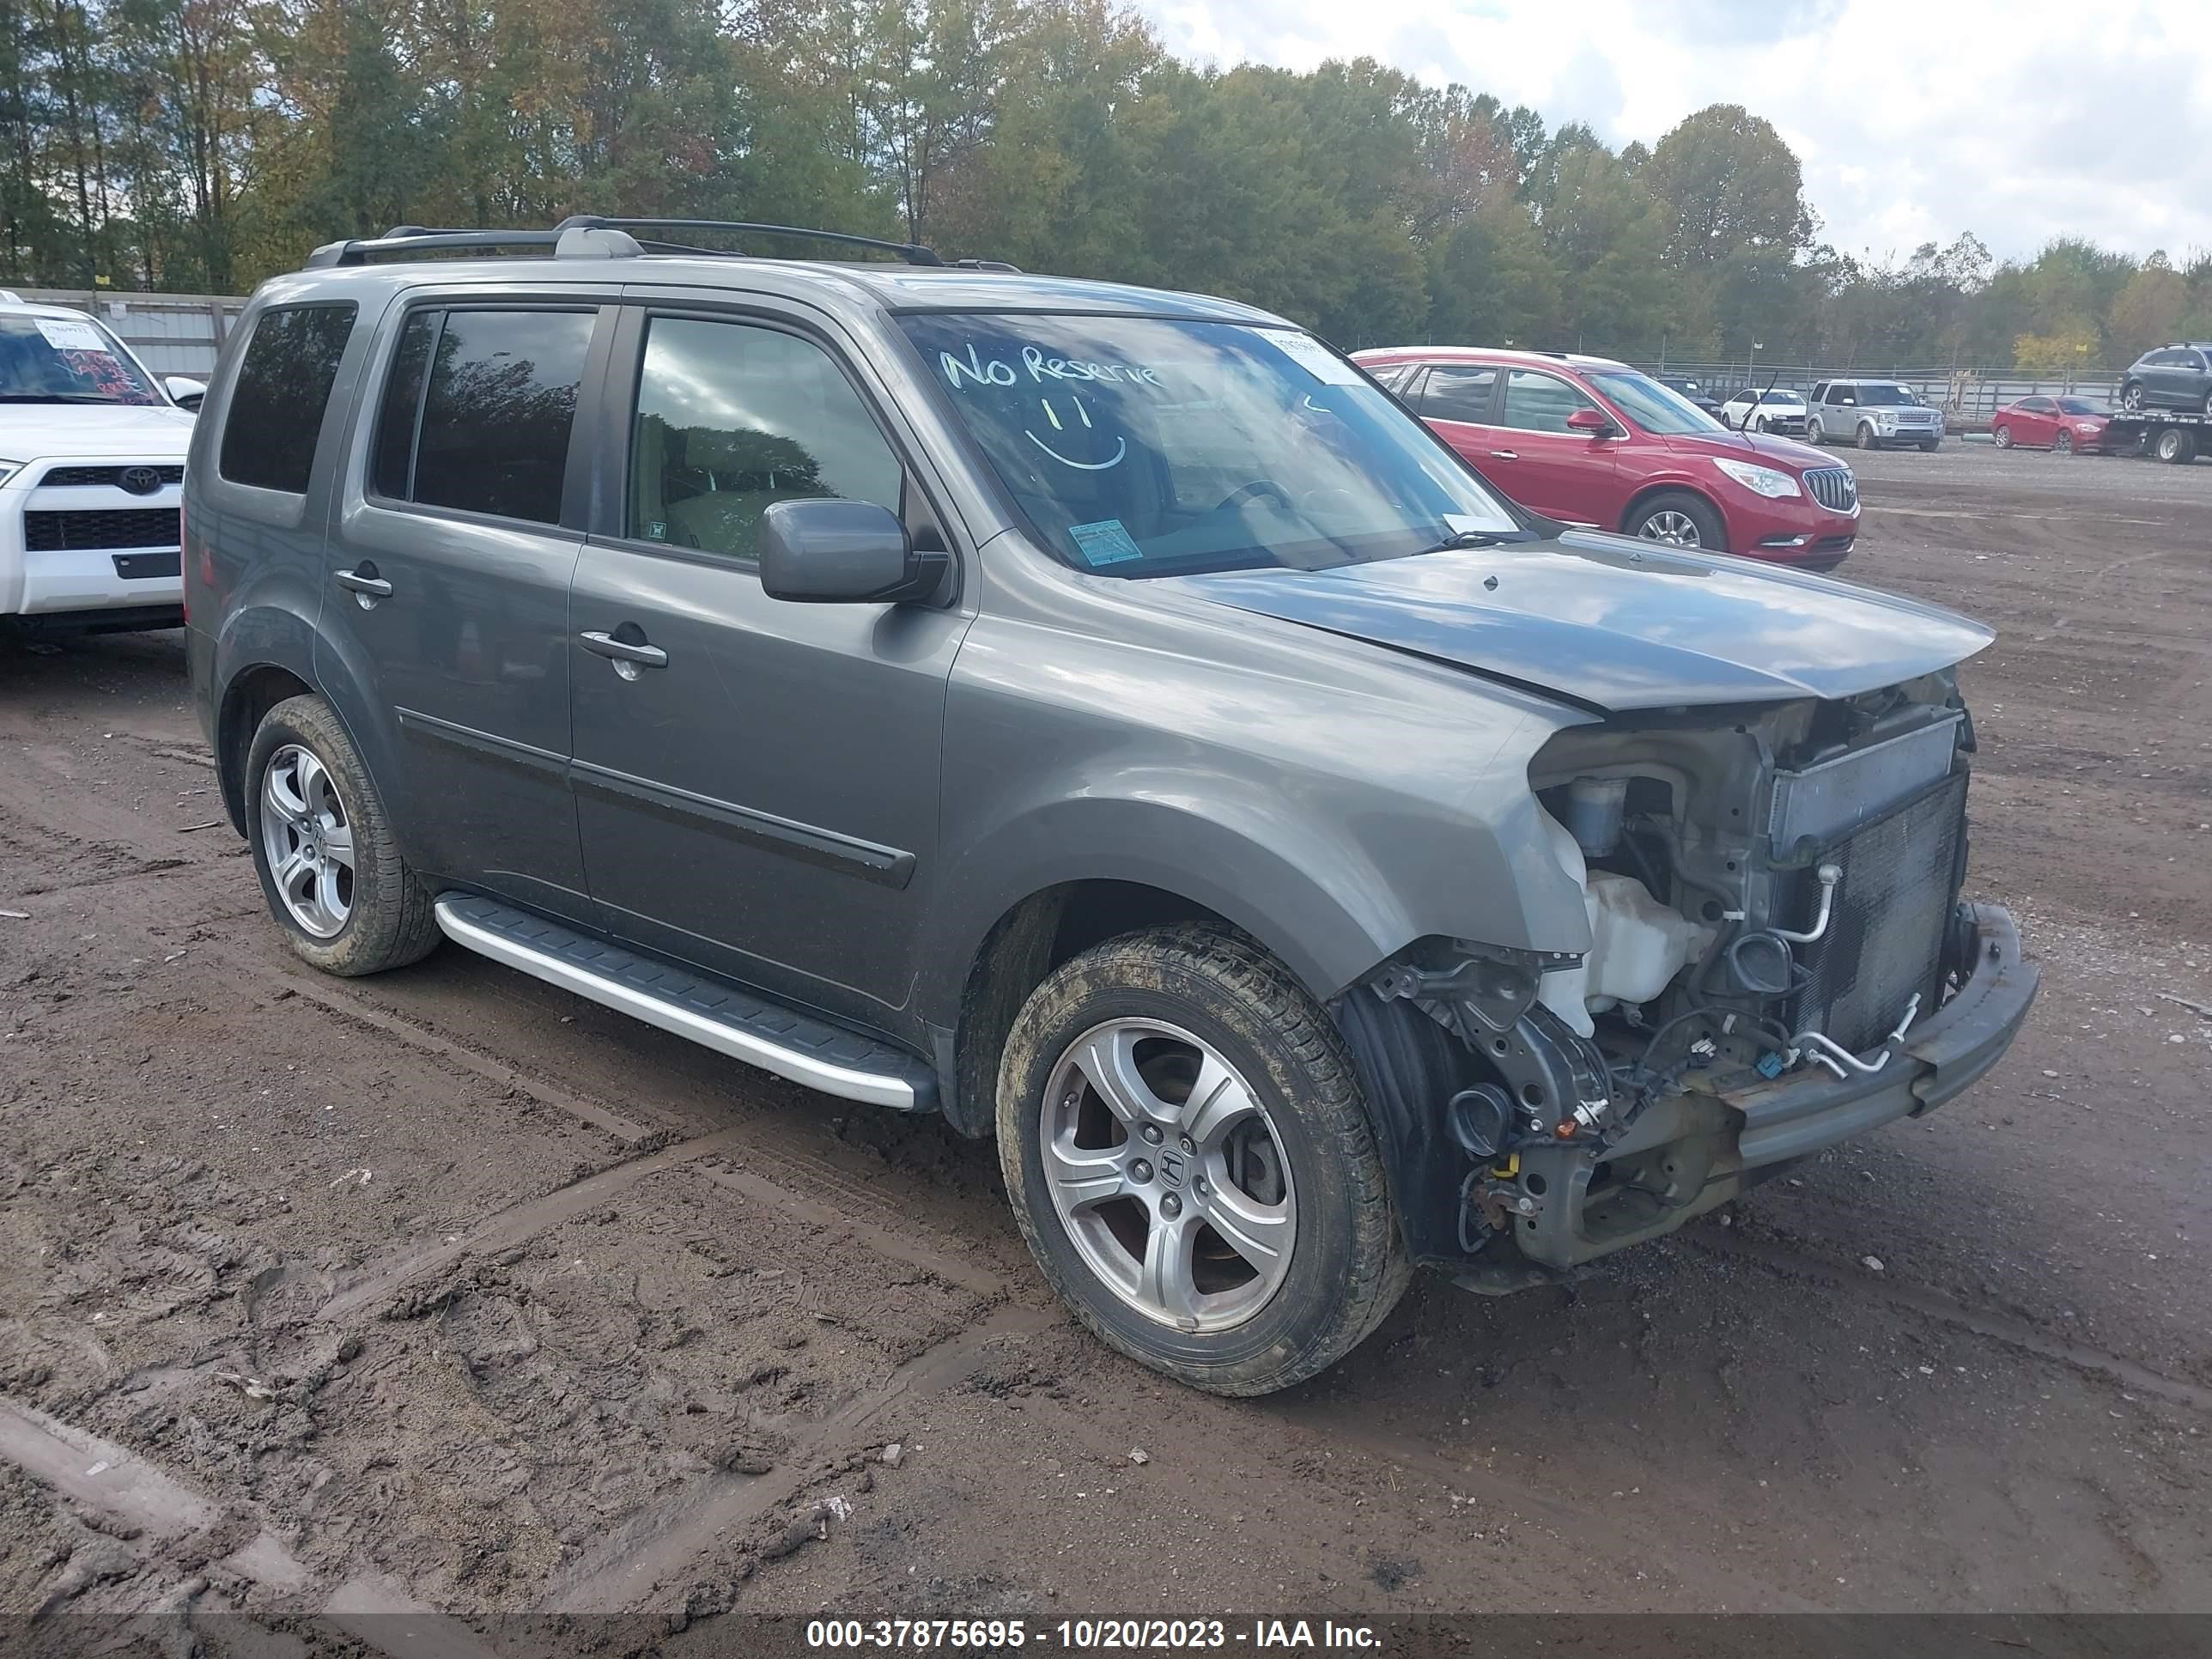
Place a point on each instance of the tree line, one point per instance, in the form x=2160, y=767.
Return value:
x=200, y=145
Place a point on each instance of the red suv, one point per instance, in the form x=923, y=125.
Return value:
x=1591, y=441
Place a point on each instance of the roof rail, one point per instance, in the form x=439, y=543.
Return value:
x=913, y=252
x=406, y=240
x=590, y=236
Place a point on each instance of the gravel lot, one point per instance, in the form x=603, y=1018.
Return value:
x=447, y=1291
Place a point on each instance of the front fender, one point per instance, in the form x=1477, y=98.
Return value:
x=1319, y=906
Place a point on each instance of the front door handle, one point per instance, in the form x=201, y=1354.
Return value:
x=622, y=651
x=1504, y=455
x=363, y=581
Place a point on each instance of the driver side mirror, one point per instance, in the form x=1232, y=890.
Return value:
x=829, y=552
x=1595, y=422
x=185, y=393
x=1847, y=398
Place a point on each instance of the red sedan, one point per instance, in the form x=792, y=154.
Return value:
x=2063, y=424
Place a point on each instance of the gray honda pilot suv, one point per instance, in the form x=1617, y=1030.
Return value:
x=1102, y=717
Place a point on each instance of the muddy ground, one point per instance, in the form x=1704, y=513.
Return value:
x=446, y=1291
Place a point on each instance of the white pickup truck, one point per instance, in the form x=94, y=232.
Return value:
x=92, y=469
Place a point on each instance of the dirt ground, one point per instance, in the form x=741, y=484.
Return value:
x=444, y=1291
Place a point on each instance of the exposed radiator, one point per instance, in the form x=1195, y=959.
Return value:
x=1892, y=908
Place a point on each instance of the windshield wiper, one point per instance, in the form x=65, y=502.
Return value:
x=51, y=397
x=1470, y=538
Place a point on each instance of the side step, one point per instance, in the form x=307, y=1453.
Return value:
x=710, y=1012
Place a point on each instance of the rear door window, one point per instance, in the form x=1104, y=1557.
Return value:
x=1459, y=392
x=477, y=410
x=283, y=386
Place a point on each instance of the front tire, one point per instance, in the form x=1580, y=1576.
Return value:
x=2062, y=444
x=1680, y=519
x=2131, y=396
x=1869, y=438
x=324, y=849
x=1188, y=1154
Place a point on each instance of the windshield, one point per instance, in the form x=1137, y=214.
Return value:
x=1781, y=398
x=2078, y=406
x=66, y=360
x=1886, y=397
x=1655, y=407
x=1138, y=447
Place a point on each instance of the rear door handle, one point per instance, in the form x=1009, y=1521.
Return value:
x=622, y=650
x=1504, y=455
x=371, y=583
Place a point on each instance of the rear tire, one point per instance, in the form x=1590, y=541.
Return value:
x=321, y=809
x=1813, y=435
x=1156, y=1013
x=2175, y=447
x=1680, y=519
x=2002, y=436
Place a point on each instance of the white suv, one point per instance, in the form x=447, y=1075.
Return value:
x=92, y=470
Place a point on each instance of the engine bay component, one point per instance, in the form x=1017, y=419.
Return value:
x=1762, y=965
x=1637, y=945
x=1594, y=809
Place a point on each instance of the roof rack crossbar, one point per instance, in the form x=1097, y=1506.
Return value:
x=913, y=252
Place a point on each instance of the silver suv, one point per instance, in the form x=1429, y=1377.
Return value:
x=1873, y=414
x=1102, y=717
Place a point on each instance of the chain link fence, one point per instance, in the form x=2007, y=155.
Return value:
x=1966, y=395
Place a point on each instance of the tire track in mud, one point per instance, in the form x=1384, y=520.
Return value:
x=161, y=1509
x=654, y=1549
x=516, y=1225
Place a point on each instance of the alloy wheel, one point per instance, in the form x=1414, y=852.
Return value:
x=307, y=837
x=1167, y=1173
x=2063, y=443
x=1669, y=526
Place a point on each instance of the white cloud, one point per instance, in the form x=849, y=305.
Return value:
x=2017, y=120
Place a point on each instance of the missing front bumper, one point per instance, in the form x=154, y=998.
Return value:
x=1714, y=1147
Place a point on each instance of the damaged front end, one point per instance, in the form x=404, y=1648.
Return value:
x=1778, y=958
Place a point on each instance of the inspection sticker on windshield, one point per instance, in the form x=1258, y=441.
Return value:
x=67, y=334
x=1105, y=542
x=1312, y=355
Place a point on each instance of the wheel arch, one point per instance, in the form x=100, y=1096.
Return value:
x=1007, y=921
x=1650, y=492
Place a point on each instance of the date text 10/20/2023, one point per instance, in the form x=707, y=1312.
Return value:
x=1086, y=1635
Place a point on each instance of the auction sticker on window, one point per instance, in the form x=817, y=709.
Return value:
x=1105, y=542
x=1312, y=355
x=67, y=334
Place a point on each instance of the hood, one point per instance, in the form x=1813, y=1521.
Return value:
x=1763, y=446
x=1614, y=624
x=38, y=432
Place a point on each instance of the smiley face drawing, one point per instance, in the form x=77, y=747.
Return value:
x=1085, y=437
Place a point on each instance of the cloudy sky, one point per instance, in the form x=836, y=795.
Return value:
x=1915, y=120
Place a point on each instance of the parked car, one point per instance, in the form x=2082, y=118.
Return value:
x=91, y=465
x=1773, y=408
x=1686, y=387
x=1873, y=414
x=1587, y=441
x=2176, y=376
x=1102, y=717
x=2065, y=424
